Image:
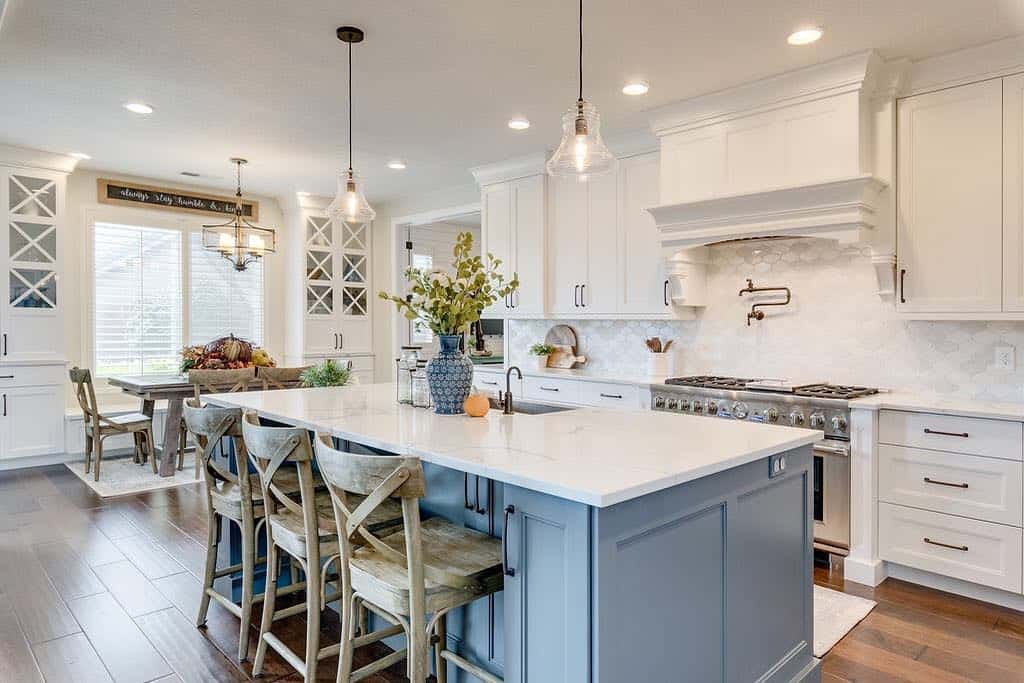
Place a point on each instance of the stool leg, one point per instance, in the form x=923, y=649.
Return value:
x=348, y=606
x=99, y=455
x=137, y=454
x=312, y=615
x=248, y=572
x=442, y=642
x=212, y=544
x=88, y=452
x=269, y=597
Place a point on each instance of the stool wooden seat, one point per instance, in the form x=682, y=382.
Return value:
x=304, y=529
x=98, y=427
x=429, y=567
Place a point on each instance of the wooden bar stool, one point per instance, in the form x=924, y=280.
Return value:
x=213, y=382
x=427, y=568
x=236, y=497
x=98, y=427
x=305, y=530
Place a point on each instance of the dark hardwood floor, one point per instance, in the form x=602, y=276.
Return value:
x=94, y=589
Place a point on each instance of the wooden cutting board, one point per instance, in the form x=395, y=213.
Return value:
x=563, y=338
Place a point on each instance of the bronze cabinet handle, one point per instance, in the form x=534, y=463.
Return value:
x=465, y=491
x=611, y=395
x=493, y=384
x=548, y=388
x=576, y=296
x=929, y=541
x=936, y=432
x=664, y=292
x=903, y=287
x=929, y=480
x=505, y=569
x=583, y=296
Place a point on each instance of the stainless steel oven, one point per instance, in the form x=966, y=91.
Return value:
x=832, y=496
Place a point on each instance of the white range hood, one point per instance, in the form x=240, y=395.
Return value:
x=844, y=210
x=803, y=154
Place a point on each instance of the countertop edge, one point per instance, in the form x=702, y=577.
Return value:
x=924, y=403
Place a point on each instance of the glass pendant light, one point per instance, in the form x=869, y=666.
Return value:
x=582, y=153
x=350, y=205
x=238, y=240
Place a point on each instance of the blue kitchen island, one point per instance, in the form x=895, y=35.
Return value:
x=639, y=546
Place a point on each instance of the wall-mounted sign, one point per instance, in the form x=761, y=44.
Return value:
x=133, y=194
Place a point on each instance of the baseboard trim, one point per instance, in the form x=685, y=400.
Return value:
x=866, y=572
x=951, y=585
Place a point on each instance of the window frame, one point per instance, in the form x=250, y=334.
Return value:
x=185, y=226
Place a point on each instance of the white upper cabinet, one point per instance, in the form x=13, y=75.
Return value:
x=567, y=245
x=1013, y=193
x=30, y=250
x=513, y=219
x=643, y=287
x=949, y=197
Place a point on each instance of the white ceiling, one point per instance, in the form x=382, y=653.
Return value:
x=435, y=81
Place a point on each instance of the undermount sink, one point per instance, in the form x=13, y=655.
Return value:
x=528, y=408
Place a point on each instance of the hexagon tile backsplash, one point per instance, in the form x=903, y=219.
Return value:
x=836, y=329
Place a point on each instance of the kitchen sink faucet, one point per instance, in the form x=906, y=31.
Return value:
x=506, y=398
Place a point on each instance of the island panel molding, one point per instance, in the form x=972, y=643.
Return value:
x=125, y=193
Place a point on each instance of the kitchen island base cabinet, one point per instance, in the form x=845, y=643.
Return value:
x=705, y=581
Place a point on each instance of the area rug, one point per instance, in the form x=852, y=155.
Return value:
x=835, y=615
x=120, y=476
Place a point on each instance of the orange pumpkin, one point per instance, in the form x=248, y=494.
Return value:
x=476, y=405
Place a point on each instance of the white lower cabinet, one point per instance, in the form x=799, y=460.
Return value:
x=968, y=549
x=492, y=382
x=610, y=395
x=551, y=389
x=31, y=411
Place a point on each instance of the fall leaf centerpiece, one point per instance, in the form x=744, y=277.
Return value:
x=225, y=353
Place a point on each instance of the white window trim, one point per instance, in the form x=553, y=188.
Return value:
x=98, y=213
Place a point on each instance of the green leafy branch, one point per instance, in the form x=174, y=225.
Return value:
x=447, y=303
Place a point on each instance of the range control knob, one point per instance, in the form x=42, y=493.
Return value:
x=772, y=414
x=659, y=402
x=698, y=407
x=712, y=408
x=684, y=405
x=671, y=404
x=796, y=418
x=817, y=420
x=839, y=423
x=740, y=410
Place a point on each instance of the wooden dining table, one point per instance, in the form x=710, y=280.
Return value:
x=173, y=388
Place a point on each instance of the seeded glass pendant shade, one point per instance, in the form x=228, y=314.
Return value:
x=238, y=240
x=350, y=205
x=581, y=153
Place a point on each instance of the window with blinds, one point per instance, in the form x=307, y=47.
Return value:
x=222, y=300
x=137, y=299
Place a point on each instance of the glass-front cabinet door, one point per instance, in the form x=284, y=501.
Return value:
x=320, y=285
x=33, y=201
x=355, y=284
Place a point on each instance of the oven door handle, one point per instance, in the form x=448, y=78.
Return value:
x=824, y=449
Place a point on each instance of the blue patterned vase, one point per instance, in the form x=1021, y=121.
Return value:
x=450, y=375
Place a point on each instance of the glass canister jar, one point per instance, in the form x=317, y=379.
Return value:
x=420, y=386
x=407, y=363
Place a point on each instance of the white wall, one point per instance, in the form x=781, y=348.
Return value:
x=82, y=196
x=385, y=255
x=836, y=329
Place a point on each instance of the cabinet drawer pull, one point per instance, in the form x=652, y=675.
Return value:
x=5, y=343
x=576, y=296
x=583, y=296
x=5, y=405
x=664, y=292
x=480, y=509
x=465, y=491
x=341, y=340
x=903, y=286
x=962, y=435
x=505, y=569
x=611, y=396
x=548, y=388
x=335, y=341
x=490, y=384
x=6, y=376
x=929, y=541
x=929, y=480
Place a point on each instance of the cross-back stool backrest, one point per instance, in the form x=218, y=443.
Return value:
x=210, y=425
x=86, y=395
x=221, y=381
x=279, y=378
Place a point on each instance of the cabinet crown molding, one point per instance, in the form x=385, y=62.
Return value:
x=845, y=74
x=840, y=209
x=36, y=158
x=510, y=169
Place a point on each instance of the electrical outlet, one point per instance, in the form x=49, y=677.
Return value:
x=1004, y=358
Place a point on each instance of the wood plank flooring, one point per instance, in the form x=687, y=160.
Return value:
x=107, y=591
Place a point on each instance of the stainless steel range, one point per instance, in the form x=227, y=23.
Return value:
x=820, y=406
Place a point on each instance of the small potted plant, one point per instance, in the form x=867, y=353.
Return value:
x=447, y=302
x=327, y=374
x=541, y=352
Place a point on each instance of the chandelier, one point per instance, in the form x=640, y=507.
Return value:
x=238, y=240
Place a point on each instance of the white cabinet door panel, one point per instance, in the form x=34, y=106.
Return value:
x=567, y=245
x=32, y=421
x=949, y=187
x=642, y=287
x=527, y=240
x=1013, y=193
x=597, y=296
x=496, y=217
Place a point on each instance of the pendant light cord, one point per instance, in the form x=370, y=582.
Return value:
x=581, y=51
x=350, y=108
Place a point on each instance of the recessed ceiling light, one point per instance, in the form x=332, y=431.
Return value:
x=81, y=155
x=396, y=165
x=805, y=36
x=637, y=87
x=138, y=108
x=519, y=123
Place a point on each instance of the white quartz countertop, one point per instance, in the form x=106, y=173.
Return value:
x=594, y=456
x=945, y=405
x=580, y=374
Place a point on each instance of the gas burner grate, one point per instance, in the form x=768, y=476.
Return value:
x=709, y=382
x=833, y=391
